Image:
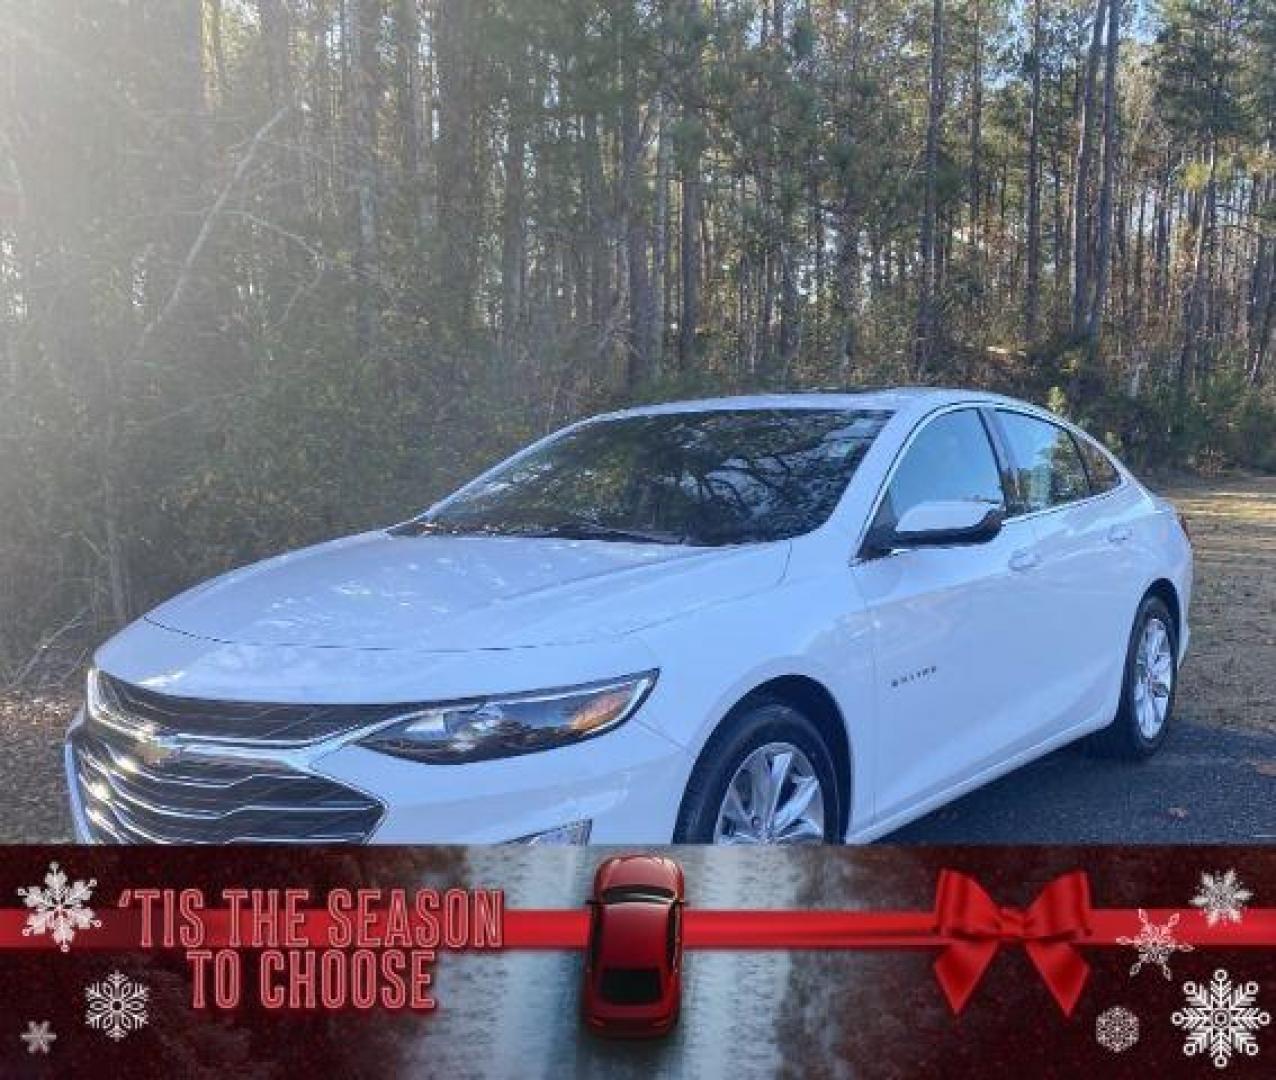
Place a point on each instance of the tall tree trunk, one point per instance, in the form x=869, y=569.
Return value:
x=1140, y=247
x=217, y=47
x=1081, y=182
x=790, y=315
x=1111, y=121
x=1032, y=294
x=408, y=101
x=596, y=254
x=1161, y=239
x=513, y=221
x=660, y=240
x=638, y=367
x=847, y=284
x=1194, y=301
x=457, y=189
x=1262, y=314
x=364, y=80
x=976, y=151
x=691, y=199
x=273, y=15
x=690, y=266
x=927, y=321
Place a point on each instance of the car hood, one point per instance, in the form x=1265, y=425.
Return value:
x=452, y=593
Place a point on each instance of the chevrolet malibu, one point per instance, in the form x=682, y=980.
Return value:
x=758, y=620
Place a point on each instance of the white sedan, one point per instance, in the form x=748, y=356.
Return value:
x=752, y=620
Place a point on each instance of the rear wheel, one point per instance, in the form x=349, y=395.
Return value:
x=765, y=778
x=1147, y=692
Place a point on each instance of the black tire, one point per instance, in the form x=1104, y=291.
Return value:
x=754, y=723
x=1123, y=738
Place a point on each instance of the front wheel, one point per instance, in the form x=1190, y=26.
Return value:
x=1147, y=691
x=765, y=778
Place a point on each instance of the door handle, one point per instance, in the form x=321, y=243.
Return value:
x=1021, y=561
x=1119, y=534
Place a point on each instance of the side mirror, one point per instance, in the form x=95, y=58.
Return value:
x=941, y=523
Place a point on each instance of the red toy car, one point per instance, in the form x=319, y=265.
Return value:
x=633, y=966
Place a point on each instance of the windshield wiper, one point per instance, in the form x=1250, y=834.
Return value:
x=593, y=530
x=426, y=527
x=575, y=529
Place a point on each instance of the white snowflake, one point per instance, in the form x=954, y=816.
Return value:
x=1117, y=1029
x=1220, y=1018
x=117, y=1005
x=59, y=908
x=1222, y=898
x=1156, y=943
x=39, y=1037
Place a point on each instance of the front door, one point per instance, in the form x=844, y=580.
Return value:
x=955, y=641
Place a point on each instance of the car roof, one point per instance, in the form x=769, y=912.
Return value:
x=633, y=934
x=895, y=399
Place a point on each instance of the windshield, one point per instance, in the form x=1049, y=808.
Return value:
x=709, y=477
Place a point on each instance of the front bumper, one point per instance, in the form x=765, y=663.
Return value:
x=79, y=822
x=628, y=784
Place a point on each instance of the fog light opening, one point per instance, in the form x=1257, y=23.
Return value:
x=572, y=835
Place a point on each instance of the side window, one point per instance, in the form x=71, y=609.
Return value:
x=1047, y=464
x=951, y=458
x=1103, y=474
x=595, y=934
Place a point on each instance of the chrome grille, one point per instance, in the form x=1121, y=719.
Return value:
x=131, y=794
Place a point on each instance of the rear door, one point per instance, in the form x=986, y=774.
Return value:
x=1086, y=571
x=954, y=642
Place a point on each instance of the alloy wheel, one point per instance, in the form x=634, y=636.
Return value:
x=774, y=797
x=1153, y=678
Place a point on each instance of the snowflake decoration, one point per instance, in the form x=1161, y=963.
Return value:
x=117, y=1005
x=1221, y=1018
x=1117, y=1029
x=59, y=908
x=38, y=1037
x=1156, y=943
x=1222, y=898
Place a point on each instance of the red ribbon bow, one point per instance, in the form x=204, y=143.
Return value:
x=1047, y=928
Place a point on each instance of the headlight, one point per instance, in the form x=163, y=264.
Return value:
x=506, y=726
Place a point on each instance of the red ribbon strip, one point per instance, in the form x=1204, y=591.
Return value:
x=966, y=926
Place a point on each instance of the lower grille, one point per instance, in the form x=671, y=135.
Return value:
x=130, y=799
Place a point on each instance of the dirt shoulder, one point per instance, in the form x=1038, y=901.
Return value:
x=33, y=805
x=1230, y=674
x=1229, y=679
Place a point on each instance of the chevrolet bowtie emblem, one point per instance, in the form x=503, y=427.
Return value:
x=158, y=751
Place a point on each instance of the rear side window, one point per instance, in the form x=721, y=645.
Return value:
x=1103, y=474
x=1047, y=464
x=951, y=459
